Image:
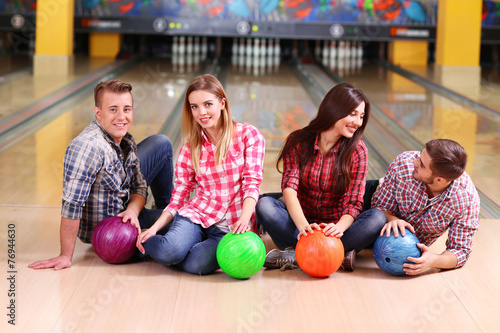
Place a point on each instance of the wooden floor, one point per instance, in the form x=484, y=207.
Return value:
x=93, y=296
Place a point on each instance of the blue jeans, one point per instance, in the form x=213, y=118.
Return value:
x=273, y=216
x=155, y=156
x=187, y=246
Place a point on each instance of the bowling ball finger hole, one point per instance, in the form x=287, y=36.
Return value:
x=388, y=259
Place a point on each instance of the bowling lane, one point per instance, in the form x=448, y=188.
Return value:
x=23, y=90
x=426, y=116
x=267, y=95
x=485, y=91
x=32, y=169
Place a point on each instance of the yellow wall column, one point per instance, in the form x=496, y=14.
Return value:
x=458, y=38
x=408, y=52
x=54, y=37
x=104, y=45
x=458, y=44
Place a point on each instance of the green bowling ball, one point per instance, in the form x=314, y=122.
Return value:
x=241, y=255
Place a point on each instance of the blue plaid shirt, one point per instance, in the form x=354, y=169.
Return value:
x=99, y=178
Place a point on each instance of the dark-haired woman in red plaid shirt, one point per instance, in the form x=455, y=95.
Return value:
x=324, y=175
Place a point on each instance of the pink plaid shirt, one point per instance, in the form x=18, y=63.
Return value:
x=219, y=190
x=455, y=210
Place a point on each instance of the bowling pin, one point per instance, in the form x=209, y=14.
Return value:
x=325, y=61
x=234, y=50
x=277, y=48
x=204, y=48
x=270, y=48
x=196, y=46
x=189, y=46
x=234, y=60
x=360, y=50
x=341, y=50
x=326, y=50
x=263, y=48
x=256, y=65
x=347, y=65
x=241, y=62
x=241, y=49
x=333, y=50
x=175, y=45
x=332, y=64
x=256, y=47
x=249, y=48
x=341, y=66
x=181, y=63
x=196, y=61
x=189, y=63
x=248, y=64
x=317, y=49
x=182, y=46
x=347, y=50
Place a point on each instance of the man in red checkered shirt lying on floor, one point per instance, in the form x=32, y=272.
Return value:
x=430, y=193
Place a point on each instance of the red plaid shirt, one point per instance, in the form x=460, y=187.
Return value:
x=219, y=190
x=455, y=210
x=314, y=184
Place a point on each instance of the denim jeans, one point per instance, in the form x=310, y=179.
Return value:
x=155, y=156
x=187, y=246
x=273, y=216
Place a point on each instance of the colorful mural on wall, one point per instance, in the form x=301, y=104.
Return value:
x=390, y=12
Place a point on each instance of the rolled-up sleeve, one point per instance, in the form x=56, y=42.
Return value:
x=461, y=232
x=291, y=170
x=253, y=169
x=356, y=189
x=185, y=180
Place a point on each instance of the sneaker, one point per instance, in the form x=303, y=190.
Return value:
x=281, y=259
x=348, y=263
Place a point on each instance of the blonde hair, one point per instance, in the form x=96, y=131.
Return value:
x=192, y=130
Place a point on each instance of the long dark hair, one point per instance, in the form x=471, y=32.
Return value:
x=338, y=103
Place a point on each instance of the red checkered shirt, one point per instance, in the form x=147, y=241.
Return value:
x=314, y=184
x=219, y=190
x=455, y=210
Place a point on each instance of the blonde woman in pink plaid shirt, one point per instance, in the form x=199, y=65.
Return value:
x=222, y=162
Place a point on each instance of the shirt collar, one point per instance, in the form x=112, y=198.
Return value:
x=449, y=192
x=453, y=188
x=204, y=138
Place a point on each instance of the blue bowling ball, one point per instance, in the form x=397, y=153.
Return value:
x=391, y=253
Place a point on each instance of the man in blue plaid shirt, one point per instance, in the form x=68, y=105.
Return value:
x=107, y=174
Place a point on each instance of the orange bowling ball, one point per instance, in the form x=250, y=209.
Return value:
x=319, y=255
